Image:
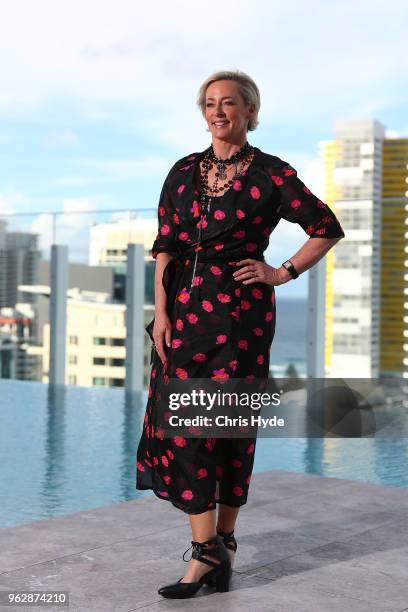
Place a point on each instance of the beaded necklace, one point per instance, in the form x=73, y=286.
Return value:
x=240, y=157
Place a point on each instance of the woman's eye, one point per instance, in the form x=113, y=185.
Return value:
x=226, y=102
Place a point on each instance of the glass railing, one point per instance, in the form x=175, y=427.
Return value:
x=97, y=246
x=97, y=243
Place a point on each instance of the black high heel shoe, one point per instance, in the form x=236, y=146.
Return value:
x=220, y=574
x=230, y=543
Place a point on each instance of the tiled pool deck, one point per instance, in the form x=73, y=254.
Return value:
x=305, y=543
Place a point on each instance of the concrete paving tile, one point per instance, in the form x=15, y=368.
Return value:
x=353, y=494
x=343, y=570
x=276, y=486
x=51, y=538
x=389, y=537
x=258, y=549
x=354, y=578
x=392, y=562
x=105, y=580
x=274, y=597
x=323, y=525
x=318, y=516
x=297, y=565
x=117, y=576
x=305, y=543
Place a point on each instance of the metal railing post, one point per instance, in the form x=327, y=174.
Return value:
x=58, y=313
x=135, y=296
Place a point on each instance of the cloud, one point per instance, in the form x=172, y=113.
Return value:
x=95, y=170
x=119, y=63
x=12, y=199
x=392, y=134
x=71, y=227
x=117, y=70
x=62, y=139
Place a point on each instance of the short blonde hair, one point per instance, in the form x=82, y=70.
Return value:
x=247, y=88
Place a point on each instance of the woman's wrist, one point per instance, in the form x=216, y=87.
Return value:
x=284, y=275
x=160, y=310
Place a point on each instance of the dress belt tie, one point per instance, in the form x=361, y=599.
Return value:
x=215, y=259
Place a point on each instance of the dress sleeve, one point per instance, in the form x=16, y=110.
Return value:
x=166, y=239
x=298, y=204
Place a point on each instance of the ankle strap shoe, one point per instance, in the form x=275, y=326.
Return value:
x=230, y=543
x=229, y=539
x=220, y=572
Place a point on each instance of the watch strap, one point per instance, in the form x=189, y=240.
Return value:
x=290, y=268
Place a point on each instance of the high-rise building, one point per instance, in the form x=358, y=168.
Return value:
x=19, y=263
x=394, y=253
x=95, y=340
x=108, y=247
x=17, y=361
x=365, y=174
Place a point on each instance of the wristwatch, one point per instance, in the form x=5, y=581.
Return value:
x=290, y=268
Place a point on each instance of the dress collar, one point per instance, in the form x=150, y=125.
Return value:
x=195, y=159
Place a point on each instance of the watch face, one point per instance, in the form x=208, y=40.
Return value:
x=290, y=268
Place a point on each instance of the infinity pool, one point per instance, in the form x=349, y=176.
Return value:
x=74, y=450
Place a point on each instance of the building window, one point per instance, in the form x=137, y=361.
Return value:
x=117, y=362
x=72, y=359
x=99, y=341
x=73, y=340
x=72, y=379
x=99, y=381
x=116, y=382
x=118, y=341
x=99, y=361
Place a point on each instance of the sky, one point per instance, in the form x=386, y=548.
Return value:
x=98, y=99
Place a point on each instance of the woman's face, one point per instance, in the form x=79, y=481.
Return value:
x=226, y=113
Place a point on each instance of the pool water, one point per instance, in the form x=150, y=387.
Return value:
x=74, y=449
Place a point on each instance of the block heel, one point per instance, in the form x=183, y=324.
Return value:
x=219, y=574
x=222, y=581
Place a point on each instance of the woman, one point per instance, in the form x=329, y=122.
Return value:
x=215, y=310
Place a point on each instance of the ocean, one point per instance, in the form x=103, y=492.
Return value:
x=289, y=343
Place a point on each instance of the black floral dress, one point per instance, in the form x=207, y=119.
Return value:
x=221, y=328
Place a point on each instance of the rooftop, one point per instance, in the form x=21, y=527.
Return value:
x=305, y=542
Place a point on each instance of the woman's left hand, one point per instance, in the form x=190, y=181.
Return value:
x=255, y=271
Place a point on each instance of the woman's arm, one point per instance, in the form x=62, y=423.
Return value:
x=164, y=248
x=298, y=204
x=162, y=323
x=307, y=256
x=160, y=297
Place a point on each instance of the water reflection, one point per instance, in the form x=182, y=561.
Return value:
x=134, y=405
x=66, y=449
x=51, y=489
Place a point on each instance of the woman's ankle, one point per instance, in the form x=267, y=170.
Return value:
x=222, y=531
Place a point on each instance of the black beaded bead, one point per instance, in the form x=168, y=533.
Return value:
x=210, y=160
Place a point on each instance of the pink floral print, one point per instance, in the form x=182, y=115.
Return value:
x=222, y=329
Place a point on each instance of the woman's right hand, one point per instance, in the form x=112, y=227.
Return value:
x=162, y=334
